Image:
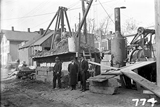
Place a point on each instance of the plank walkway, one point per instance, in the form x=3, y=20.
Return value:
x=128, y=71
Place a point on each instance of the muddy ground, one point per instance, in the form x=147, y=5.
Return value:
x=29, y=93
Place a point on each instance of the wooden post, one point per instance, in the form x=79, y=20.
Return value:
x=157, y=29
x=79, y=44
x=84, y=17
x=85, y=24
x=62, y=20
x=68, y=23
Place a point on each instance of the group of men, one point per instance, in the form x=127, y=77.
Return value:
x=77, y=72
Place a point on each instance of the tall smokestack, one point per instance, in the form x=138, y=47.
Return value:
x=117, y=20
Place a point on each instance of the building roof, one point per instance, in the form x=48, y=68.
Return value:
x=35, y=39
x=43, y=39
x=30, y=42
x=19, y=35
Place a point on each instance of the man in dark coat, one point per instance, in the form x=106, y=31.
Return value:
x=57, y=73
x=83, y=70
x=73, y=70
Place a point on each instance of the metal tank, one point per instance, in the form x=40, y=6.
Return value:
x=118, y=50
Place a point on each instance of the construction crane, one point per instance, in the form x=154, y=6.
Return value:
x=61, y=14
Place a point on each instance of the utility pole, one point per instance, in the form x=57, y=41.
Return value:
x=85, y=24
x=79, y=44
x=157, y=32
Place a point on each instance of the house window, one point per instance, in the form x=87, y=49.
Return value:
x=47, y=48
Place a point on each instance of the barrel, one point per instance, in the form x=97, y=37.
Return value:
x=71, y=44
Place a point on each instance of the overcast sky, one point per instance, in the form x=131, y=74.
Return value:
x=36, y=14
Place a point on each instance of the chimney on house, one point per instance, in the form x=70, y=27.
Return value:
x=12, y=28
x=29, y=30
x=41, y=31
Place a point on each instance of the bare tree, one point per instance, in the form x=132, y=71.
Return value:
x=90, y=25
x=130, y=26
x=103, y=28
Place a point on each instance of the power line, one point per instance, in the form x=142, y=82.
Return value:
x=69, y=9
x=30, y=16
x=41, y=4
x=41, y=23
x=105, y=11
x=35, y=10
x=74, y=4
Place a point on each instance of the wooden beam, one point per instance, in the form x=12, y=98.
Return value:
x=137, y=65
x=112, y=72
x=142, y=81
x=107, y=67
x=157, y=29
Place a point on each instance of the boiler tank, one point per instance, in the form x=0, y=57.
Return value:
x=118, y=50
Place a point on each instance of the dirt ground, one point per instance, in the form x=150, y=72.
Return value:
x=29, y=93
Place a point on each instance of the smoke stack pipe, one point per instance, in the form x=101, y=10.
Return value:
x=117, y=20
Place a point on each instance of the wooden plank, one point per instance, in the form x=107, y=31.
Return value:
x=131, y=66
x=107, y=67
x=112, y=73
x=137, y=65
x=147, y=92
x=102, y=76
x=157, y=33
x=142, y=81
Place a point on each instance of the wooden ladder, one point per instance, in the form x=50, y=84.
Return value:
x=87, y=55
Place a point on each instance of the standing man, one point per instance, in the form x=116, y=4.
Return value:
x=57, y=73
x=73, y=70
x=84, y=68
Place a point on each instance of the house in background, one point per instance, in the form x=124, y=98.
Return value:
x=27, y=50
x=103, y=44
x=10, y=44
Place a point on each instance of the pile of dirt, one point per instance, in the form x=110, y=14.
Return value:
x=28, y=93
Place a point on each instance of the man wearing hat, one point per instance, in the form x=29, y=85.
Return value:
x=57, y=73
x=73, y=70
x=83, y=70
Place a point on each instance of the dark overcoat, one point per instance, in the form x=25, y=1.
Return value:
x=57, y=68
x=73, y=70
x=84, y=69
